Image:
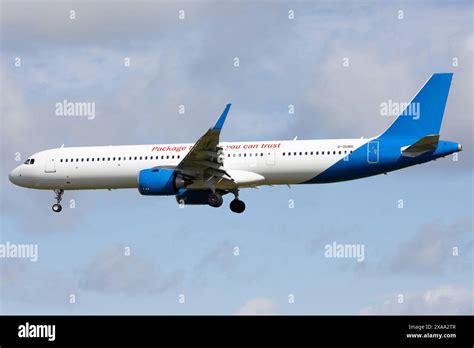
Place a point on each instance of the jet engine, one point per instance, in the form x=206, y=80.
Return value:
x=159, y=182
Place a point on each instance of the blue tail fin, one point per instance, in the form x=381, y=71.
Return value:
x=424, y=114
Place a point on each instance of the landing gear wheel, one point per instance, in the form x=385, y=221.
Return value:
x=59, y=195
x=237, y=206
x=215, y=200
x=57, y=208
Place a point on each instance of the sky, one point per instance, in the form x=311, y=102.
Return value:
x=334, y=63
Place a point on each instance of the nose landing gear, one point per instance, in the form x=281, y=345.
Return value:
x=59, y=195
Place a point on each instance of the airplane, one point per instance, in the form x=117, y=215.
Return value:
x=201, y=173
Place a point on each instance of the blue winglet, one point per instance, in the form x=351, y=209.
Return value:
x=220, y=122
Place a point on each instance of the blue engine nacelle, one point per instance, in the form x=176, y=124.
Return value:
x=159, y=182
x=192, y=197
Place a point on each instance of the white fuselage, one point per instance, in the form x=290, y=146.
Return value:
x=116, y=167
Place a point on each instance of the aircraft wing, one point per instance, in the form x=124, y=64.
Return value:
x=204, y=162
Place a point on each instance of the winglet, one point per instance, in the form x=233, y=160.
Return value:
x=221, y=120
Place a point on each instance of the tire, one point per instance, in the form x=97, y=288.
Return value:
x=215, y=200
x=237, y=206
x=57, y=208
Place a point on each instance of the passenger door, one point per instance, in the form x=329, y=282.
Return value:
x=50, y=163
x=270, y=155
x=373, y=151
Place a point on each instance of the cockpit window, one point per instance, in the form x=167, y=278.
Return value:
x=32, y=161
x=27, y=161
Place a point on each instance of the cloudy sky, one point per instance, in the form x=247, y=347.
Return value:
x=335, y=62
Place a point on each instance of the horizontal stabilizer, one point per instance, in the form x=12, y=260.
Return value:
x=425, y=144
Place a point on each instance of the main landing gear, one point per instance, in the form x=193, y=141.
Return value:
x=215, y=200
x=237, y=206
x=59, y=195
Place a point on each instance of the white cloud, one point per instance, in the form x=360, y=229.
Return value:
x=448, y=299
x=258, y=306
x=430, y=250
x=111, y=271
x=25, y=282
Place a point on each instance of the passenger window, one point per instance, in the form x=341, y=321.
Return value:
x=261, y=154
x=289, y=153
x=146, y=157
x=334, y=152
x=322, y=152
x=61, y=160
x=87, y=159
x=92, y=159
x=66, y=159
x=103, y=158
x=167, y=157
x=119, y=158
x=108, y=158
x=82, y=159
x=283, y=154
x=306, y=154
x=172, y=157
x=340, y=152
x=162, y=157
x=178, y=156
x=245, y=155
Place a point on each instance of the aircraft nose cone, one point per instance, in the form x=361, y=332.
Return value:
x=459, y=147
x=14, y=176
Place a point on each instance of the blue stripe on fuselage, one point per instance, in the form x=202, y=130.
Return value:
x=389, y=159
